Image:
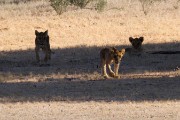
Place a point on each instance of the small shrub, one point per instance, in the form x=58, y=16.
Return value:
x=176, y=6
x=61, y=5
x=146, y=5
x=100, y=5
x=80, y=3
x=14, y=1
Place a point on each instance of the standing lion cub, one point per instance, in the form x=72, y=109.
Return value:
x=109, y=56
x=136, y=43
x=42, y=42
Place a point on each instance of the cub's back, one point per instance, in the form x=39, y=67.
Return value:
x=104, y=52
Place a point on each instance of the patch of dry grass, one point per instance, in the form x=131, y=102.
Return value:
x=73, y=28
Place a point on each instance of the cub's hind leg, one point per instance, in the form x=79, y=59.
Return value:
x=103, y=69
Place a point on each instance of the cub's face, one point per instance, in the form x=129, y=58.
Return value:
x=117, y=55
x=41, y=37
x=136, y=42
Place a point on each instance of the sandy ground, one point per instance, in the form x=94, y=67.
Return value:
x=70, y=86
x=91, y=111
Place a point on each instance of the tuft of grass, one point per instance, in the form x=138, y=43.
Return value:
x=146, y=5
x=80, y=3
x=176, y=6
x=16, y=1
x=100, y=5
x=61, y=5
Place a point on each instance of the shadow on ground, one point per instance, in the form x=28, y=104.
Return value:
x=85, y=60
x=151, y=89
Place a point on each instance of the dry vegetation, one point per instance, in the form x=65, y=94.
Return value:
x=71, y=87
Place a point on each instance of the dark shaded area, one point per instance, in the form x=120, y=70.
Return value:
x=149, y=89
x=165, y=52
x=85, y=60
x=80, y=59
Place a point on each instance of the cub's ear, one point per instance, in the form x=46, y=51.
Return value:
x=141, y=39
x=123, y=51
x=114, y=49
x=46, y=33
x=131, y=39
x=36, y=32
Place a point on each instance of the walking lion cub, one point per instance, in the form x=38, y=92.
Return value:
x=109, y=56
x=42, y=42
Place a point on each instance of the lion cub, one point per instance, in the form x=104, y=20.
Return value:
x=42, y=42
x=109, y=56
x=136, y=46
x=136, y=43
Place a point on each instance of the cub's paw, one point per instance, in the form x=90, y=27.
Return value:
x=116, y=76
x=106, y=77
x=111, y=74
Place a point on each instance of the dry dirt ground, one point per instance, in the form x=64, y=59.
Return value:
x=70, y=86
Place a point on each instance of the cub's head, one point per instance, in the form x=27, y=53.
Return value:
x=136, y=42
x=117, y=55
x=41, y=37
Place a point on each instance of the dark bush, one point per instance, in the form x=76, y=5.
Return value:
x=60, y=6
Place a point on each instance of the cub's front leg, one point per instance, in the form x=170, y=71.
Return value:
x=47, y=52
x=46, y=55
x=111, y=73
x=37, y=53
x=116, y=69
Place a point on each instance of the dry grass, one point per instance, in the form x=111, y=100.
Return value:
x=18, y=22
x=74, y=74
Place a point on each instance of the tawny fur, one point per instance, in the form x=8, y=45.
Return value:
x=109, y=56
x=136, y=43
x=136, y=46
x=42, y=42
